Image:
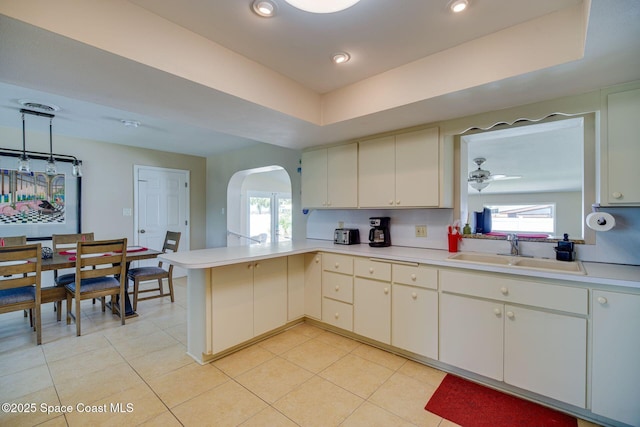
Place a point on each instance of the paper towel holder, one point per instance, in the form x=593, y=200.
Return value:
x=596, y=208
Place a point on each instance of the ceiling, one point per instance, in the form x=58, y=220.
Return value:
x=270, y=81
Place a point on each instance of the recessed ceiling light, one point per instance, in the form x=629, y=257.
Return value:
x=322, y=6
x=264, y=8
x=340, y=57
x=35, y=105
x=130, y=123
x=458, y=6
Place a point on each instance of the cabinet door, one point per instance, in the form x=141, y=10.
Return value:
x=372, y=309
x=295, y=286
x=623, y=147
x=546, y=353
x=342, y=176
x=376, y=173
x=314, y=179
x=471, y=332
x=269, y=294
x=414, y=320
x=615, y=383
x=417, y=168
x=231, y=305
x=313, y=285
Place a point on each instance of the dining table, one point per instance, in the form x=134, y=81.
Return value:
x=67, y=259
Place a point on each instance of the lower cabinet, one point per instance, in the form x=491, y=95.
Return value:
x=414, y=321
x=313, y=285
x=372, y=309
x=248, y=299
x=337, y=291
x=615, y=381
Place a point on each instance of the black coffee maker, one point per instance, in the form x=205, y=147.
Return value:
x=379, y=234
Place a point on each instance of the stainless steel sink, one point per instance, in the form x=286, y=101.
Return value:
x=574, y=267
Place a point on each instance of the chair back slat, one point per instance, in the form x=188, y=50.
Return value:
x=107, y=257
x=13, y=241
x=171, y=243
x=27, y=273
x=61, y=242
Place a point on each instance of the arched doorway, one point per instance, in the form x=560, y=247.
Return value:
x=259, y=206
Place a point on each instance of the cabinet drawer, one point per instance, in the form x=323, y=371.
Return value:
x=337, y=263
x=520, y=291
x=337, y=286
x=422, y=276
x=372, y=269
x=337, y=313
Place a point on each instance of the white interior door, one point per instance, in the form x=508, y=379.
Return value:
x=162, y=204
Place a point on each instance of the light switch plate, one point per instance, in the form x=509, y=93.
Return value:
x=126, y=212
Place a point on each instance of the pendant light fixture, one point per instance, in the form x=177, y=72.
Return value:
x=23, y=161
x=51, y=169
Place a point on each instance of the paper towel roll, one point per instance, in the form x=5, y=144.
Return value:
x=600, y=221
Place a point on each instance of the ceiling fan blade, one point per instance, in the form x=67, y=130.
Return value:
x=501, y=177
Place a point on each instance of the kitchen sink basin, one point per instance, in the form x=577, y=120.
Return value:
x=574, y=267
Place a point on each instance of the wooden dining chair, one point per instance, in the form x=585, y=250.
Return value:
x=141, y=274
x=13, y=241
x=20, y=275
x=100, y=271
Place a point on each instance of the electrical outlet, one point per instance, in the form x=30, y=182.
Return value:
x=421, y=231
x=340, y=224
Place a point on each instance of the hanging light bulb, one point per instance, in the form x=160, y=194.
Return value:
x=77, y=168
x=23, y=161
x=51, y=169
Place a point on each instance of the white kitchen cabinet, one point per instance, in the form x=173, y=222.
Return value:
x=528, y=347
x=615, y=382
x=372, y=299
x=337, y=290
x=313, y=285
x=621, y=174
x=248, y=299
x=400, y=171
x=295, y=286
x=231, y=305
x=414, y=319
x=330, y=177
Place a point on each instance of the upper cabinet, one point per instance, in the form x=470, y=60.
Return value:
x=620, y=152
x=330, y=177
x=401, y=171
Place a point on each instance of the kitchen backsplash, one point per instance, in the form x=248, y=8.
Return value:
x=621, y=245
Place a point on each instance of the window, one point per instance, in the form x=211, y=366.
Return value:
x=534, y=218
x=269, y=216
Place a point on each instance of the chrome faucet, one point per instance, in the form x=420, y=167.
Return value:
x=515, y=248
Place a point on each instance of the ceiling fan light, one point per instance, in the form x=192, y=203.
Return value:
x=264, y=8
x=458, y=6
x=479, y=185
x=322, y=6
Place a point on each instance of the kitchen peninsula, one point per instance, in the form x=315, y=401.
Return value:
x=435, y=310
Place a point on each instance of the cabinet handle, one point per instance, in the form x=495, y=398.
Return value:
x=371, y=270
x=250, y=266
x=329, y=203
x=504, y=290
x=602, y=300
x=397, y=202
x=386, y=291
x=337, y=288
x=497, y=311
x=390, y=202
x=414, y=295
x=317, y=259
x=617, y=195
x=413, y=277
x=337, y=315
x=257, y=264
x=337, y=265
x=510, y=314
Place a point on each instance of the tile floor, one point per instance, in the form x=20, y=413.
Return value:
x=305, y=376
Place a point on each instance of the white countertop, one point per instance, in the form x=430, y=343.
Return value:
x=597, y=273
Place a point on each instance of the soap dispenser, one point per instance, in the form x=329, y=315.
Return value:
x=565, y=250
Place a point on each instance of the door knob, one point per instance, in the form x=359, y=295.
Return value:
x=143, y=231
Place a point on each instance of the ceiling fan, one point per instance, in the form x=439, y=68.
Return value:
x=481, y=178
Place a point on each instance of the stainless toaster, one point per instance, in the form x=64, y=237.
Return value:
x=346, y=236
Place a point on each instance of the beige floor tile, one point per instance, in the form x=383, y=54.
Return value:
x=98, y=385
x=243, y=360
x=357, y=375
x=37, y=415
x=314, y=355
x=129, y=407
x=161, y=361
x=166, y=419
x=371, y=415
x=19, y=360
x=134, y=347
x=179, y=332
x=284, y=342
x=226, y=405
x=378, y=356
x=406, y=397
x=84, y=364
x=59, y=421
x=307, y=330
x=447, y=423
x=24, y=382
x=178, y=386
x=73, y=346
x=422, y=373
x=273, y=379
x=318, y=402
x=268, y=417
x=339, y=341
